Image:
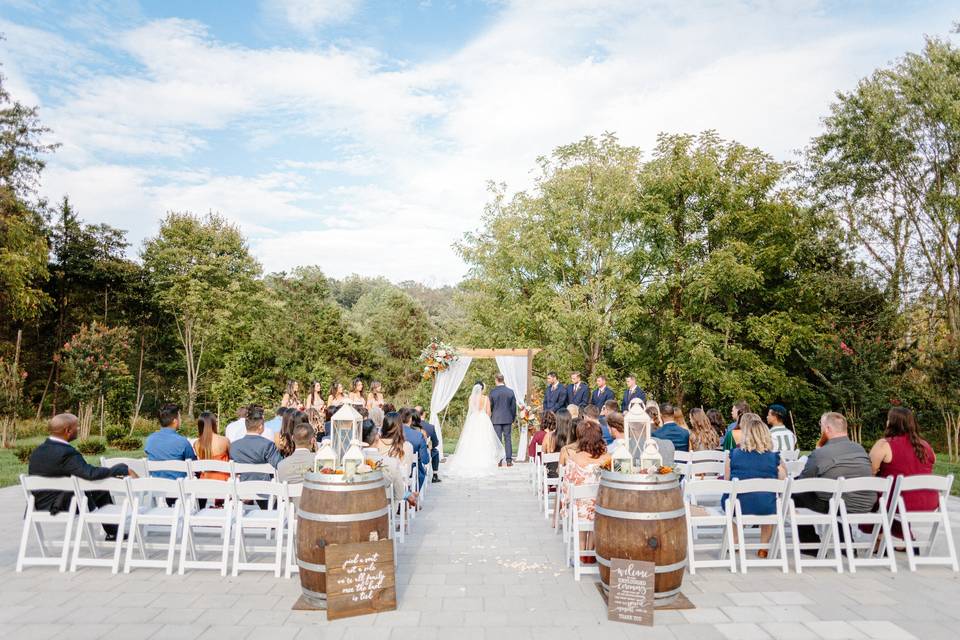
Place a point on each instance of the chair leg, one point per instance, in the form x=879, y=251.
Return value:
x=64, y=553
x=888, y=544
x=795, y=532
x=238, y=543
x=186, y=543
x=171, y=544
x=727, y=545
x=951, y=546
x=781, y=543
x=24, y=540
x=118, y=543
x=81, y=527
x=131, y=541
x=691, y=559
x=226, y=547
x=835, y=533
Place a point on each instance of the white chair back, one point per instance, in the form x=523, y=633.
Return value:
x=33, y=521
x=138, y=465
x=704, y=470
x=681, y=457
x=795, y=468
x=219, y=466
x=708, y=455
x=245, y=467
x=700, y=517
x=150, y=511
x=938, y=520
x=177, y=466
x=777, y=545
x=789, y=455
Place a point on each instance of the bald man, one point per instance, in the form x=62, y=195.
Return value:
x=56, y=458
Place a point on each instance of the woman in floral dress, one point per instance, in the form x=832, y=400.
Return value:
x=581, y=467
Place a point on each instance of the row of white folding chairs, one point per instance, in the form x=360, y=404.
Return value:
x=874, y=551
x=142, y=505
x=144, y=467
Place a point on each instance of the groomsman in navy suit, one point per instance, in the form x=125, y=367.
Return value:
x=555, y=395
x=602, y=393
x=632, y=391
x=578, y=393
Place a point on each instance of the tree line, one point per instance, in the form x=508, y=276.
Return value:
x=709, y=269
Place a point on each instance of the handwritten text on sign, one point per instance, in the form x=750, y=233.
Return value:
x=631, y=592
x=360, y=579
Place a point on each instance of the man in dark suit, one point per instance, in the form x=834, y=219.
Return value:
x=555, y=395
x=503, y=412
x=602, y=393
x=56, y=458
x=419, y=443
x=578, y=393
x=632, y=391
x=431, y=432
x=671, y=431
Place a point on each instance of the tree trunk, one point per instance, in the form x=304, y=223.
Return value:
x=139, y=396
x=103, y=409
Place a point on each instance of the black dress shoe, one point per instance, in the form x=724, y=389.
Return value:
x=509, y=463
x=436, y=478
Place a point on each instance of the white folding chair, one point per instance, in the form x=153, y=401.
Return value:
x=708, y=455
x=795, y=467
x=413, y=485
x=877, y=520
x=251, y=517
x=137, y=465
x=789, y=455
x=149, y=511
x=294, y=491
x=210, y=517
x=796, y=517
x=196, y=467
x=34, y=519
x=705, y=470
x=175, y=466
x=580, y=526
x=681, y=458
x=535, y=468
x=937, y=520
x=242, y=468
x=547, y=483
x=115, y=514
x=777, y=545
x=699, y=516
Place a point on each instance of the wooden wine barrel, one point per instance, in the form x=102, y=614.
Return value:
x=333, y=511
x=641, y=517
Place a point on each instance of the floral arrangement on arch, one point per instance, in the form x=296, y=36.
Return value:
x=437, y=357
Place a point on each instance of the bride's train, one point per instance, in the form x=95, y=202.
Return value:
x=479, y=450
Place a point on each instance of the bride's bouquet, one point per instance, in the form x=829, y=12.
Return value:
x=528, y=418
x=437, y=357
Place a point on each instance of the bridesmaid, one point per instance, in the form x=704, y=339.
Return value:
x=355, y=396
x=336, y=397
x=375, y=397
x=291, y=397
x=210, y=445
x=315, y=406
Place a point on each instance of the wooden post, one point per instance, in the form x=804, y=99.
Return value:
x=526, y=399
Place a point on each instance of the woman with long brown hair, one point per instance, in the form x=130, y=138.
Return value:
x=336, y=397
x=284, y=438
x=375, y=397
x=703, y=435
x=291, y=396
x=397, y=456
x=583, y=467
x=210, y=445
x=902, y=452
x=355, y=397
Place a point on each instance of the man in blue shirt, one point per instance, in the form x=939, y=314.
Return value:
x=167, y=444
x=671, y=431
x=416, y=439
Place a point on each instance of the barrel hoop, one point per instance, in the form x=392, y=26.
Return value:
x=347, y=517
x=665, y=594
x=640, y=515
x=666, y=568
x=639, y=487
x=313, y=594
x=309, y=566
x=343, y=487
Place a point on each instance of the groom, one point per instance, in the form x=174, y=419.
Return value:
x=503, y=411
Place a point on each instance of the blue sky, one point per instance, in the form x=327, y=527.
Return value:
x=360, y=135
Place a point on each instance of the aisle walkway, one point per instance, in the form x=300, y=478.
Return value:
x=481, y=564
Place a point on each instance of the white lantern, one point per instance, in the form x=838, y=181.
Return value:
x=352, y=460
x=636, y=426
x=326, y=457
x=344, y=428
x=622, y=458
x=650, y=459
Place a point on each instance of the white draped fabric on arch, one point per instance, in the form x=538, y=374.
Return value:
x=514, y=364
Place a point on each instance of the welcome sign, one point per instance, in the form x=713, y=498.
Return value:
x=360, y=579
x=631, y=592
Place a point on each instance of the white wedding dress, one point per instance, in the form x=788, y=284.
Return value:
x=479, y=451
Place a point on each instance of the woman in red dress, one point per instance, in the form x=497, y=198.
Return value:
x=902, y=452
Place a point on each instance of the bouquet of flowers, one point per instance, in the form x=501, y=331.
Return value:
x=436, y=358
x=528, y=418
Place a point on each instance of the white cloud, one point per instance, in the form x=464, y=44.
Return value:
x=403, y=151
x=308, y=15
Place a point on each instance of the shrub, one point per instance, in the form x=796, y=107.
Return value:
x=130, y=443
x=115, y=434
x=24, y=451
x=91, y=446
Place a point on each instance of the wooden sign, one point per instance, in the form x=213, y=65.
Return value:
x=360, y=579
x=631, y=592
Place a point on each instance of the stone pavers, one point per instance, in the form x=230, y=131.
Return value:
x=481, y=563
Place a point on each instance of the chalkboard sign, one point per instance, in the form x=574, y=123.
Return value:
x=360, y=579
x=631, y=592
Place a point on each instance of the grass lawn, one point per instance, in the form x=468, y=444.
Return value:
x=11, y=468
x=942, y=468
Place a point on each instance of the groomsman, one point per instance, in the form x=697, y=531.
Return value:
x=578, y=393
x=602, y=393
x=632, y=391
x=555, y=395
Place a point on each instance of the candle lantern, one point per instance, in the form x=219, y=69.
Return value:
x=345, y=428
x=622, y=458
x=650, y=459
x=636, y=427
x=352, y=460
x=326, y=458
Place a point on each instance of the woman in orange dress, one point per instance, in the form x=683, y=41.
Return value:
x=210, y=445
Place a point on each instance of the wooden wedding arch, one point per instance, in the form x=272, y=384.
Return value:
x=490, y=354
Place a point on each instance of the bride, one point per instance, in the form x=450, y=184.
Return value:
x=479, y=451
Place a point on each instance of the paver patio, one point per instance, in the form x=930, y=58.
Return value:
x=480, y=563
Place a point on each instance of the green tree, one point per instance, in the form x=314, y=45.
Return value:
x=94, y=361
x=201, y=274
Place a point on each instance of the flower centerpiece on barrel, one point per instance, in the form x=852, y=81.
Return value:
x=437, y=357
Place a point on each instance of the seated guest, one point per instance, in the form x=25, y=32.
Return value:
x=369, y=431
x=672, y=431
x=902, y=452
x=755, y=458
x=210, y=445
x=593, y=412
x=388, y=407
x=583, y=467
x=783, y=438
x=574, y=410
x=273, y=426
x=238, y=428
x=703, y=437
x=167, y=444
x=734, y=436
x=564, y=435
x=56, y=458
x=253, y=448
x=419, y=443
x=292, y=468
x=397, y=458
x=610, y=406
x=716, y=419
x=838, y=457
x=432, y=438
x=283, y=439
x=739, y=408
x=328, y=418
x=376, y=414
x=653, y=410
x=617, y=430
x=548, y=424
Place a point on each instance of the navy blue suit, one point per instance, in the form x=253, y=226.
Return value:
x=629, y=395
x=555, y=399
x=503, y=412
x=579, y=396
x=434, y=442
x=415, y=438
x=598, y=397
x=676, y=434
x=605, y=430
